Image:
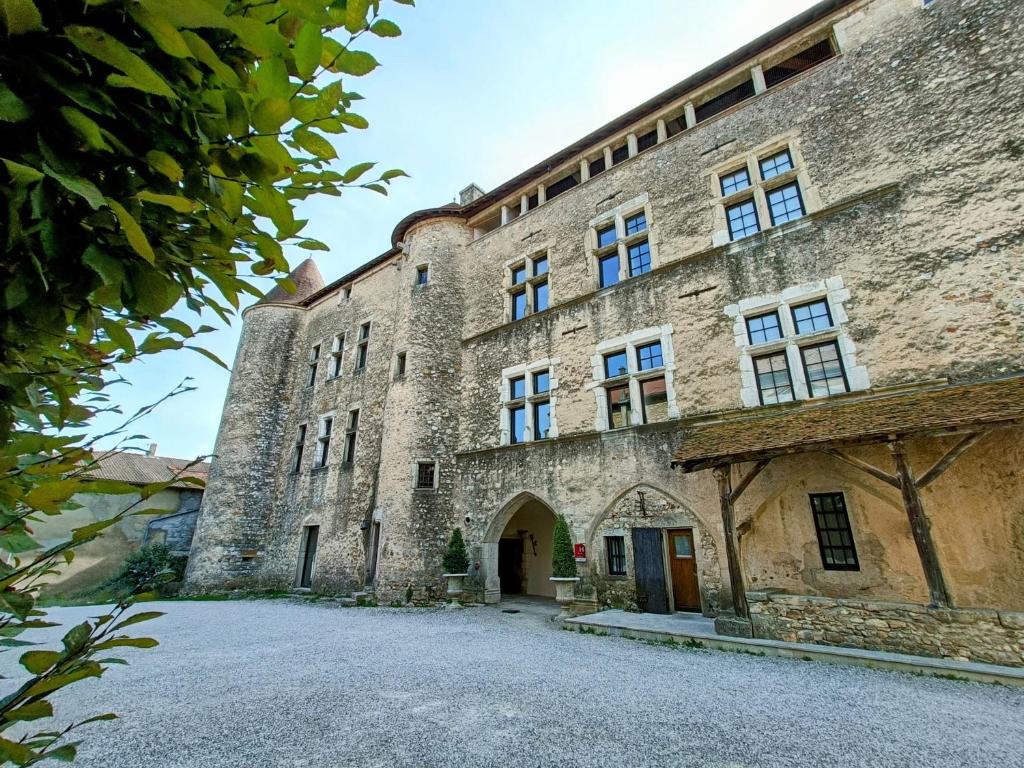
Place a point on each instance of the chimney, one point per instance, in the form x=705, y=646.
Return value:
x=152, y=450
x=469, y=194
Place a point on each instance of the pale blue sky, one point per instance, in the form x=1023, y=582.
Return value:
x=473, y=91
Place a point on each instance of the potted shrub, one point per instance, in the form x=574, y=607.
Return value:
x=455, y=563
x=563, y=563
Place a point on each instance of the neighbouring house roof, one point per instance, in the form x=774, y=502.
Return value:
x=307, y=279
x=140, y=469
x=874, y=417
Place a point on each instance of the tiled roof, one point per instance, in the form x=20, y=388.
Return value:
x=873, y=418
x=139, y=469
x=307, y=281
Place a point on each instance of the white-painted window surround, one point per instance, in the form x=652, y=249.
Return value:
x=529, y=399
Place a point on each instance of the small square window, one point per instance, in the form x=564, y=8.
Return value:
x=517, y=388
x=422, y=275
x=519, y=274
x=773, y=382
x=785, y=204
x=824, y=369
x=540, y=266
x=615, y=364
x=649, y=356
x=742, y=219
x=425, y=475
x=735, y=181
x=639, y=258
x=519, y=305
x=540, y=296
x=635, y=224
x=609, y=270
x=606, y=236
x=616, y=547
x=763, y=328
x=517, y=424
x=541, y=382
x=812, y=317
x=776, y=164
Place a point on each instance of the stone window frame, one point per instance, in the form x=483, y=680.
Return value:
x=324, y=438
x=299, y=447
x=351, y=444
x=337, y=355
x=634, y=377
x=401, y=365
x=362, y=349
x=527, y=371
x=759, y=188
x=422, y=268
x=606, y=558
x=617, y=217
x=833, y=291
x=528, y=286
x=416, y=464
x=313, y=363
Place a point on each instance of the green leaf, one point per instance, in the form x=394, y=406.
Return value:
x=12, y=109
x=351, y=118
x=81, y=187
x=270, y=114
x=315, y=144
x=21, y=175
x=11, y=751
x=237, y=114
x=154, y=292
x=17, y=541
x=38, y=662
x=209, y=356
x=66, y=753
x=356, y=63
x=49, y=495
x=163, y=32
x=20, y=16
x=116, y=54
x=132, y=231
x=126, y=642
x=308, y=47
x=138, y=618
x=89, y=531
x=355, y=14
x=385, y=28
x=85, y=127
x=178, y=203
x=271, y=80
x=394, y=173
x=77, y=637
x=313, y=245
x=205, y=54
x=33, y=711
x=189, y=13
x=106, y=266
x=356, y=171
x=165, y=164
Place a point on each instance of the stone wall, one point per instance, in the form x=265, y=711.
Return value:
x=994, y=637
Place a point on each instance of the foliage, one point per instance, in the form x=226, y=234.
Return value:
x=456, y=559
x=150, y=565
x=151, y=154
x=563, y=560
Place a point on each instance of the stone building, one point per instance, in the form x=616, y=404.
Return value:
x=759, y=340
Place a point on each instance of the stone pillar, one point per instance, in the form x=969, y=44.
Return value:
x=542, y=196
x=691, y=114
x=631, y=145
x=524, y=204
x=584, y=171
x=506, y=215
x=607, y=157
x=757, y=75
x=662, y=131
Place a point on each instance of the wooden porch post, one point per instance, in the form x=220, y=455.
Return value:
x=723, y=474
x=920, y=527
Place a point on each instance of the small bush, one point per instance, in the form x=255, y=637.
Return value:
x=456, y=560
x=563, y=562
x=151, y=567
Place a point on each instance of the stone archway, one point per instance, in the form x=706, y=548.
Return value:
x=516, y=549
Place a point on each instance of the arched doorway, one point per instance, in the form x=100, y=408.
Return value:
x=517, y=550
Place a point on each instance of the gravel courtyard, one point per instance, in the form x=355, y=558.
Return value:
x=286, y=683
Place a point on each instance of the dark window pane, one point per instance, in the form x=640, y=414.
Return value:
x=825, y=375
x=425, y=475
x=615, y=364
x=541, y=420
x=735, y=181
x=812, y=317
x=540, y=296
x=609, y=267
x=616, y=546
x=835, y=536
x=762, y=328
x=639, y=258
x=742, y=219
x=517, y=388
x=361, y=355
x=637, y=223
x=540, y=266
x=532, y=201
x=519, y=305
x=773, y=382
x=655, y=400
x=649, y=356
x=776, y=164
x=597, y=166
x=562, y=185
x=422, y=275
x=722, y=102
x=646, y=141
x=620, y=154
x=541, y=382
x=618, y=407
x=606, y=236
x=517, y=423
x=800, y=62
x=364, y=331
x=785, y=204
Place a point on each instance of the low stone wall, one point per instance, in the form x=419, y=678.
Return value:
x=995, y=637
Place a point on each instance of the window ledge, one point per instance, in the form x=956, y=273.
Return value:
x=317, y=470
x=425, y=490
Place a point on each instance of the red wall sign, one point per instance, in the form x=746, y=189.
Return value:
x=579, y=551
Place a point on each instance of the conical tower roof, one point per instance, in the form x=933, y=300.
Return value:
x=307, y=279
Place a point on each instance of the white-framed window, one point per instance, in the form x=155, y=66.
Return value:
x=337, y=355
x=621, y=242
x=633, y=379
x=314, y=364
x=527, y=286
x=325, y=429
x=528, y=396
x=794, y=345
x=425, y=475
x=761, y=189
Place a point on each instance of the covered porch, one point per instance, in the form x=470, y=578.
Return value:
x=737, y=449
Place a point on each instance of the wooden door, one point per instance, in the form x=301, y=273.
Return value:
x=309, y=556
x=649, y=567
x=683, y=564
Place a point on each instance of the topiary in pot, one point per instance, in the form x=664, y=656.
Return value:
x=563, y=563
x=455, y=563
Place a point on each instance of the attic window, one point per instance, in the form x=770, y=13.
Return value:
x=725, y=100
x=647, y=140
x=676, y=125
x=597, y=166
x=489, y=224
x=800, y=62
x=532, y=201
x=563, y=185
x=620, y=154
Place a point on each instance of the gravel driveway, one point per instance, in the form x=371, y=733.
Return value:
x=285, y=683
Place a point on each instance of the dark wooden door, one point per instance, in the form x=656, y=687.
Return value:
x=510, y=566
x=309, y=556
x=649, y=566
x=683, y=565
